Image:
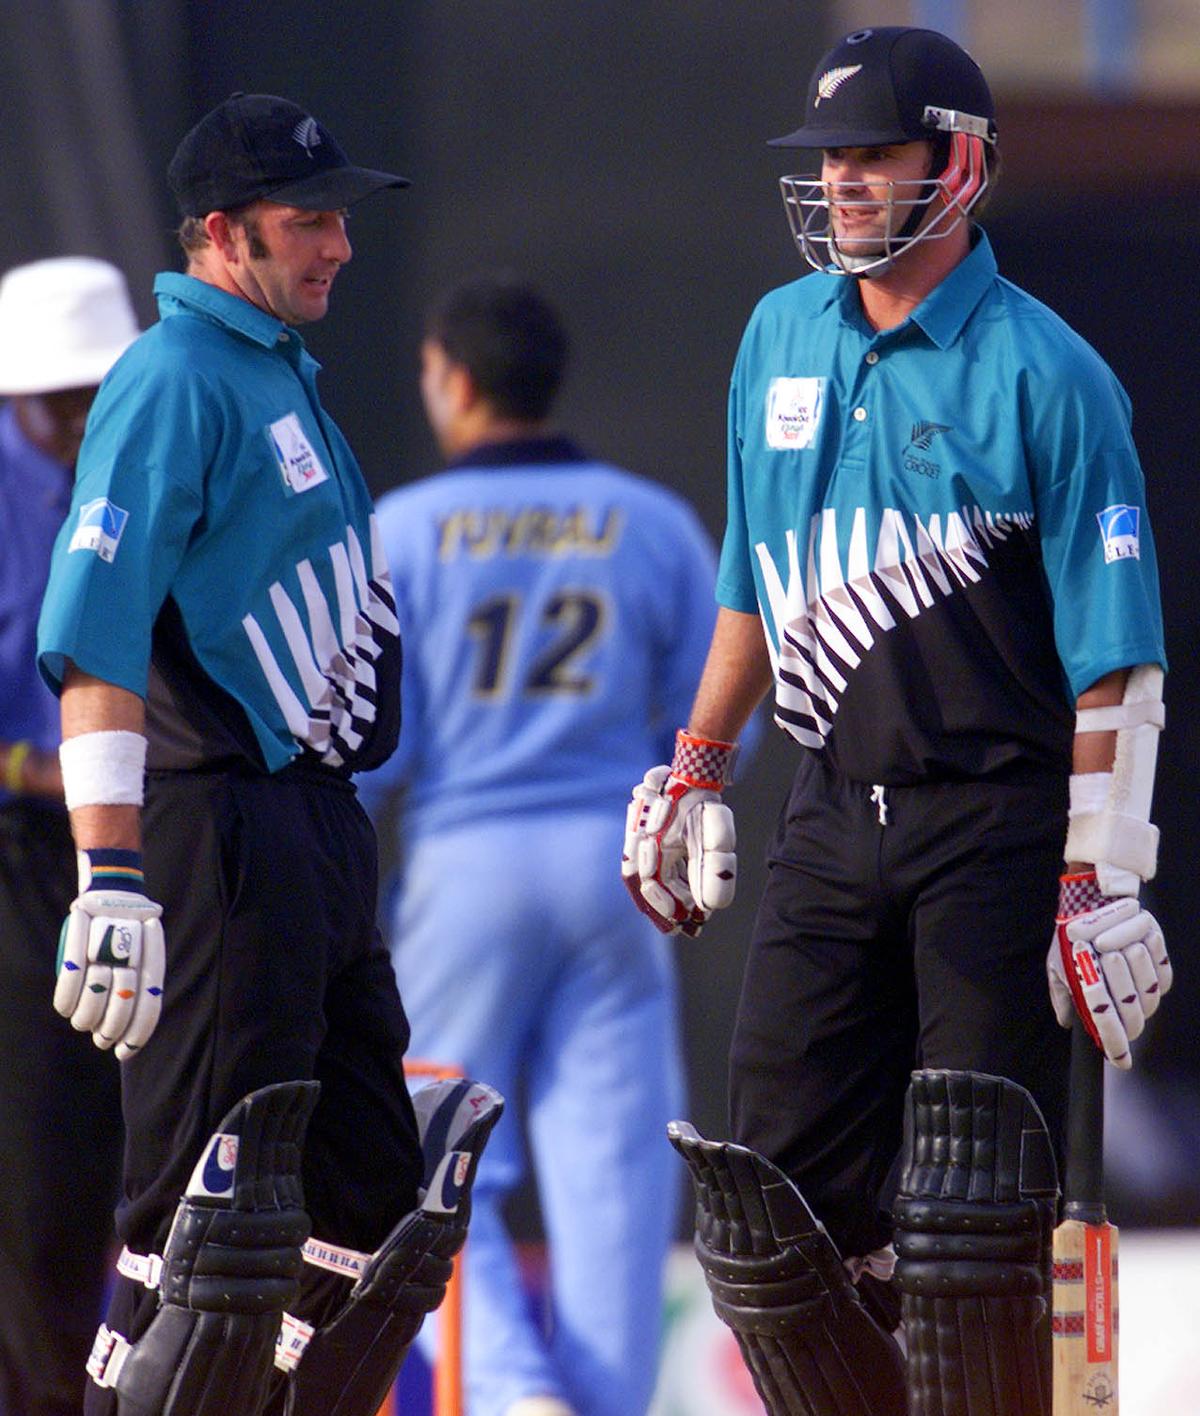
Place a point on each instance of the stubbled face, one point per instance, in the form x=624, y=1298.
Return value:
x=54, y=422
x=288, y=258
x=867, y=201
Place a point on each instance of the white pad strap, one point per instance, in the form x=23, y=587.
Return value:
x=333, y=1257
x=103, y=769
x=107, y=1357
x=294, y=1333
x=145, y=1269
x=1116, y=836
x=441, y=1197
x=1119, y=715
x=879, y=1263
x=294, y=1336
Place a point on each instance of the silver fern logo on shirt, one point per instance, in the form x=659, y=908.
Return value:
x=919, y=444
x=831, y=601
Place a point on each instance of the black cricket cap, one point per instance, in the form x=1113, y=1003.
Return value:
x=874, y=85
x=256, y=145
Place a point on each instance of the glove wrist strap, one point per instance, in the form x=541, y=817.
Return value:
x=1078, y=892
x=106, y=868
x=704, y=763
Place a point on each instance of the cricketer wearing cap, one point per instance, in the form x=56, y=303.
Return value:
x=936, y=512
x=219, y=615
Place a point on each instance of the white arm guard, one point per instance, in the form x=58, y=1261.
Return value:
x=1110, y=824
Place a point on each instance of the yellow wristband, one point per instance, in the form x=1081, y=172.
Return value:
x=15, y=764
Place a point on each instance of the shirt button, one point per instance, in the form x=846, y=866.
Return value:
x=873, y=357
x=860, y=415
x=283, y=336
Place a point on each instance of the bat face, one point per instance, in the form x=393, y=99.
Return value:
x=1085, y=1319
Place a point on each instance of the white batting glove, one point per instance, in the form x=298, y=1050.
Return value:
x=111, y=957
x=678, y=860
x=1108, y=962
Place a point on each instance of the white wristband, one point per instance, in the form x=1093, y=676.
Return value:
x=103, y=769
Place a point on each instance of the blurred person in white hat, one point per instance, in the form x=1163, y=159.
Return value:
x=63, y=323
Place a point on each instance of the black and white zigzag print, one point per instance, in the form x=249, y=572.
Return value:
x=828, y=617
x=335, y=662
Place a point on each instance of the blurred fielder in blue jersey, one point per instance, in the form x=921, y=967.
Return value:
x=555, y=613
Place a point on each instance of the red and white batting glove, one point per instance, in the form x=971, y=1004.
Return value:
x=1107, y=962
x=678, y=860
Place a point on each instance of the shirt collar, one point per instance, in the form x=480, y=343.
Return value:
x=524, y=452
x=946, y=309
x=174, y=290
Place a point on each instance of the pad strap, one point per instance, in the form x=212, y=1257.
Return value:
x=107, y=1357
x=145, y=1269
x=347, y=1364
x=294, y=1336
x=350, y=1263
x=1115, y=716
x=1114, y=838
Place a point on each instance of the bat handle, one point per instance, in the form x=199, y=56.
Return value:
x=1083, y=1189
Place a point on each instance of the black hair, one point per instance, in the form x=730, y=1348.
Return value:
x=510, y=339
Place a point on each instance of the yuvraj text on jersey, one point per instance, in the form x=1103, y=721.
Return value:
x=537, y=531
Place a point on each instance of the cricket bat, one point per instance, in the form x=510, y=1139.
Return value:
x=1085, y=1252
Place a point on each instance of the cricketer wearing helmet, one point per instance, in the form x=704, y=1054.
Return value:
x=937, y=553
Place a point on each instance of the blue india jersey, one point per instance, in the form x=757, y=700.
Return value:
x=943, y=525
x=555, y=613
x=220, y=556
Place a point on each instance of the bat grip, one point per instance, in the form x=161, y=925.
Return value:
x=1083, y=1189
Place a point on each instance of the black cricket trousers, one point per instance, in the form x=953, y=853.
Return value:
x=275, y=972
x=894, y=934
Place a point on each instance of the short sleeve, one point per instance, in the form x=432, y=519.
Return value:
x=735, y=574
x=1097, y=544
x=138, y=498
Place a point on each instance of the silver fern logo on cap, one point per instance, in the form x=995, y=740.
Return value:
x=307, y=134
x=829, y=83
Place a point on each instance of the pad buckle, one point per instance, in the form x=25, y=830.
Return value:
x=145, y=1269
x=107, y=1357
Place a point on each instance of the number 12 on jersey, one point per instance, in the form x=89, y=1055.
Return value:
x=571, y=621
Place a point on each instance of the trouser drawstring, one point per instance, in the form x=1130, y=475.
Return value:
x=878, y=796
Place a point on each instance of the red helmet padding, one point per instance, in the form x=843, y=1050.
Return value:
x=964, y=171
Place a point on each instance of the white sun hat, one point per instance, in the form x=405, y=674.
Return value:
x=64, y=322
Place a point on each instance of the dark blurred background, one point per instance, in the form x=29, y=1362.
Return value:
x=616, y=153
